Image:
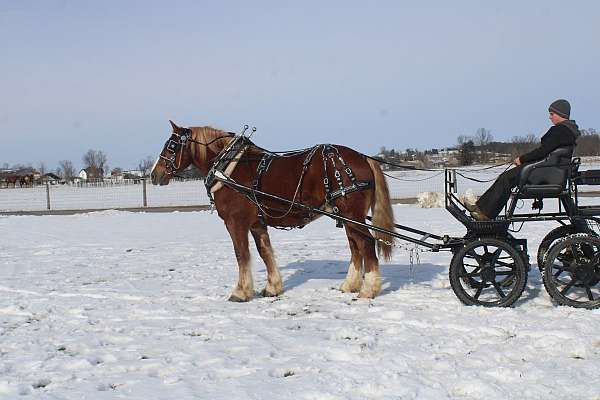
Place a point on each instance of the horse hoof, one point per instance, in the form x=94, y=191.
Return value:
x=266, y=293
x=233, y=298
x=349, y=289
x=366, y=295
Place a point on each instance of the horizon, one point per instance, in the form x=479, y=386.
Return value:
x=109, y=76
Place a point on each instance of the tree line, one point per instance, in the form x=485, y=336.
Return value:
x=481, y=147
x=95, y=162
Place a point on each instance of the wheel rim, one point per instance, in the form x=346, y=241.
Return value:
x=575, y=272
x=488, y=273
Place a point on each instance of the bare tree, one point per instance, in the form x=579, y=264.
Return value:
x=42, y=168
x=482, y=139
x=523, y=144
x=145, y=165
x=466, y=153
x=96, y=161
x=66, y=170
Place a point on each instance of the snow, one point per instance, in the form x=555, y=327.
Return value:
x=133, y=305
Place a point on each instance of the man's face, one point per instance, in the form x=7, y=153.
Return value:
x=555, y=118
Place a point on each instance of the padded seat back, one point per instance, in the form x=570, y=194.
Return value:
x=549, y=176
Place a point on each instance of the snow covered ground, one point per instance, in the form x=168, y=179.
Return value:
x=133, y=305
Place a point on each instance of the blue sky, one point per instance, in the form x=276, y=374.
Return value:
x=109, y=75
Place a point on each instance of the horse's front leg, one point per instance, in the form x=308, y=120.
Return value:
x=244, y=291
x=371, y=285
x=263, y=245
x=354, y=278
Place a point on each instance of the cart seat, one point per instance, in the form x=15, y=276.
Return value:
x=548, y=177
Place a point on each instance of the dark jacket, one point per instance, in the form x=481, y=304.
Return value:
x=560, y=135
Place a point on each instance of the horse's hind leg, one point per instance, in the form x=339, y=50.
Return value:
x=354, y=278
x=263, y=245
x=244, y=291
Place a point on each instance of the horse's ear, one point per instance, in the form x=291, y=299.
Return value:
x=175, y=127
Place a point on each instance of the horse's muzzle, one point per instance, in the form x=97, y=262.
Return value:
x=159, y=178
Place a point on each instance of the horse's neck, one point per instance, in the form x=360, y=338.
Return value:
x=208, y=147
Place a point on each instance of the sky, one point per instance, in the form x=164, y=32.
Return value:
x=79, y=75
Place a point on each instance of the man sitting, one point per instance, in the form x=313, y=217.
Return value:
x=564, y=132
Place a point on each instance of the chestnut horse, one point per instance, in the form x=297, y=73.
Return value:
x=12, y=180
x=297, y=176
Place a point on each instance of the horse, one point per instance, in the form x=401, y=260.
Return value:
x=12, y=180
x=299, y=177
x=26, y=180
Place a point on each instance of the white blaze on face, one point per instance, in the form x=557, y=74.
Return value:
x=154, y=166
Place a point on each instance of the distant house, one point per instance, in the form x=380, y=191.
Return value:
x=51, y=178
x=134, y=172
x=118, y=175
x=91, y=174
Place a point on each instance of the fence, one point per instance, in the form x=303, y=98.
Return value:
x=103, y=196
x=129, y=194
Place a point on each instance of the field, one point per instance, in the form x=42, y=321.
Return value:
x=133, y=305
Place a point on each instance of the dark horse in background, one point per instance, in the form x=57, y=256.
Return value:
x=296, y=177
x=23, y=180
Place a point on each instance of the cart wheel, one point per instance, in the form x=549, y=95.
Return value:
x=488, y=272
x=550, y=239
x=572, y=271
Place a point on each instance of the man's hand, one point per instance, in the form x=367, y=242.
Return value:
x=517, y=161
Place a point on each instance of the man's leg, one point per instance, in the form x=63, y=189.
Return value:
x=495, y=198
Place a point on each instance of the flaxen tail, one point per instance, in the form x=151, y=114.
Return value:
x=383, y=215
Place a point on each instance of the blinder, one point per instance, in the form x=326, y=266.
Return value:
x=173, y=146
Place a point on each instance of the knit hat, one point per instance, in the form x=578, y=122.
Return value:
x=561, y=107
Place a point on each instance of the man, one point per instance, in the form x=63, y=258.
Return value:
x=564, y=132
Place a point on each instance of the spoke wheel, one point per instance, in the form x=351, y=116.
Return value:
x=550, y=239
x=572, y=271
x=488, y=272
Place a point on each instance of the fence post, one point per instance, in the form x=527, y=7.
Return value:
x=145, y=192
x=48, y=195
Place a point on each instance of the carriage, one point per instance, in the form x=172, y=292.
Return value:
x=489, y=266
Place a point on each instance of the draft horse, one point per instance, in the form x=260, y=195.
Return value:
x=305, y=176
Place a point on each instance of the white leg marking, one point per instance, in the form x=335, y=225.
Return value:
x=353, y=280
x=371, y=285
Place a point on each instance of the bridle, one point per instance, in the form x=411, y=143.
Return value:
x=175, y=146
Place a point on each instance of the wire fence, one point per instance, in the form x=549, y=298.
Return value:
x=103, y=196
x=180, y=193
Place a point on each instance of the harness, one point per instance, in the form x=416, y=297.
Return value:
x=227, y=155
x=329, y=153
x=263, y=166
x=218, y=173
x=332, y=161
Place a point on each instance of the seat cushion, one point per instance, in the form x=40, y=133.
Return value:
x=542, y=190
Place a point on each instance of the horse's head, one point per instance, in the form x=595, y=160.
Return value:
x=174, y=157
